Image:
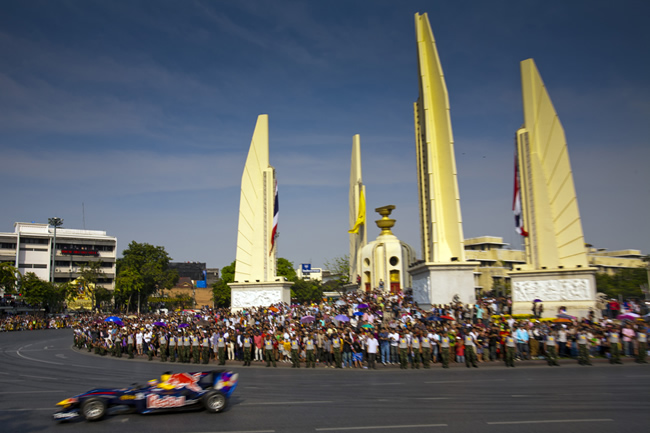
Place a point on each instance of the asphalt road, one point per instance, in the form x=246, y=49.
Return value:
x=40, y=368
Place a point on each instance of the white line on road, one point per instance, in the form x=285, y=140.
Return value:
x=32, y=359
x=544, y=421
x=467, y=381
x=284, y=402
x=377, y=427
x=434, y=398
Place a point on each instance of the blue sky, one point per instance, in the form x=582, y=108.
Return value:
x=144, y=112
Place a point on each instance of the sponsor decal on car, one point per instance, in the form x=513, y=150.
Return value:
x=127, y=397
x=65, y=415
x=157, y=402
x=183, y=380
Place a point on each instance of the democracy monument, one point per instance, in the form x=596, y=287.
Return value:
x=556, y=271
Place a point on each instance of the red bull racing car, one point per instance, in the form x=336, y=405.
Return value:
x=208, y=389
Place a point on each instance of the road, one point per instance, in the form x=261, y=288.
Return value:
x=40, y=368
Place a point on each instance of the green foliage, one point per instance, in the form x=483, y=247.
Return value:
x=501, y=287
x=220, y=289
x=142, y=271
x=625, y=282
x=307, y=291
x=183, y=300
x=39, y=293
x=339, y=268
x=9, y=278
x=89, y=274
x=284, y=268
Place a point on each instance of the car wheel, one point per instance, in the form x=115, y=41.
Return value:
x=93, y=409
x=214, y=401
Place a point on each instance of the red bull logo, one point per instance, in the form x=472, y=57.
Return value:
x=157, y=402
x=184, y=380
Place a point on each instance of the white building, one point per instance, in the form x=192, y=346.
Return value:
x=29, y=248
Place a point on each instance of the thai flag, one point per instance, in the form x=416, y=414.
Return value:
x=276, y=209
x=516, y=204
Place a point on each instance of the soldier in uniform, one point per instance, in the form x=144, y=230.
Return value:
x=402, y=347
x=337, y=343
x=186, y=348
x=173, y=344
x=295, y=352
x=426, y=351
x=205, y=348
x=268, y=350
x=118, y=344
x=510, y=348
x=310, y=344
x=247, y=343
x=129, y=344
x=163, y=345
x=196, y=354
x=470, y=350
x=444, y=349
x=416, y=350
x=221, y=348
x=642, y=345
x=583, y=347
x=614, y=339
x=551, y=344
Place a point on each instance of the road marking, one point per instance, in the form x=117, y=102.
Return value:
x=467, y=381
x=51, y=409
x=522, y=395
x=545, y=421
x=33, y=359
x=243, y=431
x=434, y=398
x=377, y=427
x=267, y=403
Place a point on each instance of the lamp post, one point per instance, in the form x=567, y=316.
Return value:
x=56, y=222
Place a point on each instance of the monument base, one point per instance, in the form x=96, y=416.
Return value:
x=574, y=289
x=443, y=283
x=247, y=295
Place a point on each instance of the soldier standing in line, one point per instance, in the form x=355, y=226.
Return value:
x=118, y=344
x=205, y=348
x=186, y=348
x=642, y=345
x=402, y=347
x=470, y=350
x=310, y=344
x=295, y=351
x=426, y=351
x=173, y=343
x=268, y=350
x=416, y=350
x=614, y=339
x=444, y=349
x=247, y=343
x=583, y=347
x=129, y=344
x=337, y=343
x=221, y=348
x=510, y=348
x=196, y=355
x=163, y=345
x=551, y=348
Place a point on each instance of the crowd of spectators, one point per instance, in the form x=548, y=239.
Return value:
x=359, y=330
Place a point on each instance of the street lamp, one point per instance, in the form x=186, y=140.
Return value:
x=56, y=222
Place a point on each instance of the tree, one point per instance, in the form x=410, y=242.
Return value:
x=339, y=268
x=151, y=264
x=307, y=291
x=128, y=284
x=9, y=278
x=284, y=268
x=625, y=282
x=220, y=289
x=89, y=274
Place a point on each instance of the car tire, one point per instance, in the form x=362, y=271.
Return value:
x=215, y=401
x=93, y=409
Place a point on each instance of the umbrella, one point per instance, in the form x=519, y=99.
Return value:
x=183, y=325
x=537, y=300
x=358, y=313
x=275, y=310
x=565, y=316
x=433, y=318
x=362, y=306
x=367, y=325
x=113, y=319
x=159, y=324
x=342, y=318
x=447, y=317
x=307, y=319
x=628, y=316
x=132, y=316
x=562, y=320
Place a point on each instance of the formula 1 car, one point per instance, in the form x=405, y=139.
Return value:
x=208, y=389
